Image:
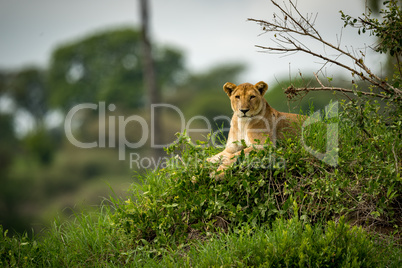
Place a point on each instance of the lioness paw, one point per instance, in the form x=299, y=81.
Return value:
x=213, y=159
x=217, y=175
x=216, y=158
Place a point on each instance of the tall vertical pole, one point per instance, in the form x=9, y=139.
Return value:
x=150, y=74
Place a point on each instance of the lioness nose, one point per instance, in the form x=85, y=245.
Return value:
x=244, y=111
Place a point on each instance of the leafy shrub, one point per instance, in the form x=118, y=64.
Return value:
x=183, y=199
x=371, y=151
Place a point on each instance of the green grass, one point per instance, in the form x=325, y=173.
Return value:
x=89, y=241
x=279, y=207
x=286, y=243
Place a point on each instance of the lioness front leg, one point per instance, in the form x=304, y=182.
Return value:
x=225, y=158
x=230, y=160
x=226, y=154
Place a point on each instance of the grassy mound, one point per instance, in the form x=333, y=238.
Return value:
x=181, y=200
x=280, y=206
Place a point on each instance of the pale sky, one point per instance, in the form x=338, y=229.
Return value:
x=209, y=32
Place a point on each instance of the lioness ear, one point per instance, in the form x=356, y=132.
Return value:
x=261, y=87
x=228, y=88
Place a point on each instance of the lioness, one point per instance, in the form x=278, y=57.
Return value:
x=253, y=120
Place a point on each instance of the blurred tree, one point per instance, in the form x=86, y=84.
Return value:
x=41, y=143
x=148, y=60
x=375, y=5
x=106, y=67
x=150, y=76
x=216, y=77
x=8, y=143
x=202, y=93
x=317, y=100
x=3, y=79
x=28, y=90
x=8, y=150
x=207, y=84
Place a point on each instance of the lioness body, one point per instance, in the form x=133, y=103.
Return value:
x=253, y=121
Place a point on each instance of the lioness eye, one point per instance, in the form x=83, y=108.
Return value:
x=252, y=97
x=237, y=97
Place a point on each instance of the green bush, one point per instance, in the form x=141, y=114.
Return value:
x=180, y=203
x=183, y=199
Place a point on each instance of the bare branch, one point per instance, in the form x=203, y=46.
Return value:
x=285, y=29
x=318, y=80
x=306, y=20
x=377, y=82
x=292, y=91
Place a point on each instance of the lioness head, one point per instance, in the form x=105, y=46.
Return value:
x=247, y=100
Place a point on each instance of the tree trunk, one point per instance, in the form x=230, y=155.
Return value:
x=150, y=79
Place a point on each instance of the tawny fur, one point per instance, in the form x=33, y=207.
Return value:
x=253, y=121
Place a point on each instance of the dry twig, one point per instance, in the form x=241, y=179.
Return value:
x=289, y=26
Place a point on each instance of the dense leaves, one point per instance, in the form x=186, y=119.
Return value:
x=388, y=30
x=268, y=183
